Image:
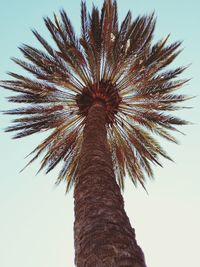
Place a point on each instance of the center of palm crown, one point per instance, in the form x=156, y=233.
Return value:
x=103, y=92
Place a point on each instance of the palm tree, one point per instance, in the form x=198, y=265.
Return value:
x=104, y=95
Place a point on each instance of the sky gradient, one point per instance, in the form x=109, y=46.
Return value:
x=36, y=224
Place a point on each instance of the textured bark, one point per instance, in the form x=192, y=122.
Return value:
x=103, y=234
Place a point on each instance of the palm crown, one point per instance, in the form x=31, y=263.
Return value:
x=117, y=65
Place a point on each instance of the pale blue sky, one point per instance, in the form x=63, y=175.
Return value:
x=36, y=224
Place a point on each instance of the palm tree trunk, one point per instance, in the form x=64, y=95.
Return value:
x=103, y=234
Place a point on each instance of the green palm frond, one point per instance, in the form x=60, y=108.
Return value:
x=115, y=63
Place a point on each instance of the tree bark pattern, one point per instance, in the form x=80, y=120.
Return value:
x=103, y=234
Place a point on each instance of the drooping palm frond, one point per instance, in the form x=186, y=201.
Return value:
x=115, y=63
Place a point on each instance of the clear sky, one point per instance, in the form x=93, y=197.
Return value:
x=36, y=223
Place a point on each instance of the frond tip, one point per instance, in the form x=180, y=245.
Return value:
x=108, y=62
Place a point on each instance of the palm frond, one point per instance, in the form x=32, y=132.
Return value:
x=117, y=64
